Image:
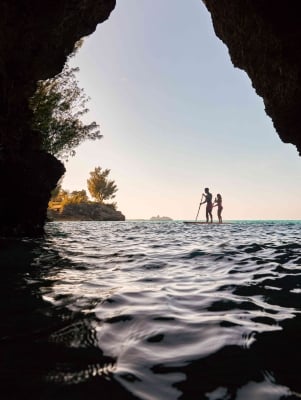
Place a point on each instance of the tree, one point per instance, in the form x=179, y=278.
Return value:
x=58, y=194
x=58, y=106
x=78, y=196
x=99, y=186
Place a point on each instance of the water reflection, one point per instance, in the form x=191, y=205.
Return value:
x=46, y=347
x=151, y=311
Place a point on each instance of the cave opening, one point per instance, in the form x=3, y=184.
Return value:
x=180, y=99
x=171, y=104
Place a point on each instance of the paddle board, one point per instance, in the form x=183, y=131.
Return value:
x=206, y=223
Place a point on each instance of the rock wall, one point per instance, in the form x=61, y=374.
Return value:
x=263, y=38
x=35, y=39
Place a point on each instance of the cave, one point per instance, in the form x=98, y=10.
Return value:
x=36, y=39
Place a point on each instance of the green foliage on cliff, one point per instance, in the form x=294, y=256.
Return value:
x=58, y=107
x=75, y=206
x=64, y=197
x=99, y=186
x=76, y=197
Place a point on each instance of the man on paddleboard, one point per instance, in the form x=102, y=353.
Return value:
x=209, y=205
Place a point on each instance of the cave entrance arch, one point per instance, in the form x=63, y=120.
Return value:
x=261, y=41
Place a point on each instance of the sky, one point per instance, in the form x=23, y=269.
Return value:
x=176, y=117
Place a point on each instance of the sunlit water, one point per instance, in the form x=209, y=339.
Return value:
x=141, y=310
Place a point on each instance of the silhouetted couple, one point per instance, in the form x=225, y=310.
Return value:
x=209, y=206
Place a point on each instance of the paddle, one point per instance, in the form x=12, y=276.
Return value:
x=199, y=207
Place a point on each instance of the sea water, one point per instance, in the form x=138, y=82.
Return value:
x=152, y=310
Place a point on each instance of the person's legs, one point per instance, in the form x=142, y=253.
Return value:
x=219, y=214
x=208, y=214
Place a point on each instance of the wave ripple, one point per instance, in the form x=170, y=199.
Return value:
x=168, y=311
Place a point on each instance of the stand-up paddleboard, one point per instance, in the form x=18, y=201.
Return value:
x=205, y=223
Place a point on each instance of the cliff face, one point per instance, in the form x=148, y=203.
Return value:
x=35, y=39
x=263, y=38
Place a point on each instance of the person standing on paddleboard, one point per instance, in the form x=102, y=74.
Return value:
x=208, y=200
x=219, y=204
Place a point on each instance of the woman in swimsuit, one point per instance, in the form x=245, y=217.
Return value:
x=218, y=203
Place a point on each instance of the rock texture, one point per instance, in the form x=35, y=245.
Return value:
x=86, y=212
x=35, y=39
x=263, y=38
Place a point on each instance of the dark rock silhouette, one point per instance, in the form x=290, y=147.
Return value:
x=35, y=39
x=263, y=39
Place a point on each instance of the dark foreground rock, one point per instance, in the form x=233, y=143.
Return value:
x=35, y=40
x=263, y=38
x=25, y=192
x=86, y=212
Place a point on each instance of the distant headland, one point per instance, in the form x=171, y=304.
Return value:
x=76, y=206
x=158, y=218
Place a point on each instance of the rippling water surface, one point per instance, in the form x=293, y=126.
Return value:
x=142, y=310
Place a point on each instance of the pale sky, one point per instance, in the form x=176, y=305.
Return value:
x=178, y=117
